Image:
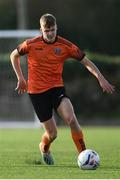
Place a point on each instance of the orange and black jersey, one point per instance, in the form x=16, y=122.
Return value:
x=45, y=61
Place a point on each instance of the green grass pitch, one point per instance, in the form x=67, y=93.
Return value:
x=20, y=157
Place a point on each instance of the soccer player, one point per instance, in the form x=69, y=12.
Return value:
x=46, y=55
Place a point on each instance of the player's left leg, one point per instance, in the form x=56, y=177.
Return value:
x=66, y=111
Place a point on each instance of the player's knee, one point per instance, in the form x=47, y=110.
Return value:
x=53, y=136
x=71, y=120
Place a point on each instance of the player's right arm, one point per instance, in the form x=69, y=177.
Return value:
x=15, y=60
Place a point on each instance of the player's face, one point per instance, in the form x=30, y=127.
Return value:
x=49, y=34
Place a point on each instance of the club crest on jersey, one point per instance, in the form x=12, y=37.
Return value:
x=57, y=51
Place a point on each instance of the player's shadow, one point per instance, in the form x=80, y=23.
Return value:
x=40, y=163
x=33, y=162
x=110, y=167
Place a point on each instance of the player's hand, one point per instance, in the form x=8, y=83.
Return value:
x=106, y=86
x=21, y=86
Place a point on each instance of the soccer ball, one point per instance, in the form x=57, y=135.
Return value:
x=88, y=159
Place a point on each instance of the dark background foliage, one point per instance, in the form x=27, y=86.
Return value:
x=93, y=24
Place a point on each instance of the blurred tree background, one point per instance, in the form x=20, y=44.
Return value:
x=94, y=25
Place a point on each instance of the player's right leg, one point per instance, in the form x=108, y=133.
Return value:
x=42, y=104
x=47, y=138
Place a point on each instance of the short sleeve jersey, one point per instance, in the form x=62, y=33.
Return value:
x=45, y=61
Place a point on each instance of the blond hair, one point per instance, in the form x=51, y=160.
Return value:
x=47, y=20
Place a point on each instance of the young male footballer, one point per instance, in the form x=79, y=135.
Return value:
x=46, y=55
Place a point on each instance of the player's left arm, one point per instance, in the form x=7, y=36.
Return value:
x=105, y=85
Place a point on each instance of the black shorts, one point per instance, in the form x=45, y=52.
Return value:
x=44, y=103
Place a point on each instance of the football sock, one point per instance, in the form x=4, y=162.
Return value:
x=45, y=143
x=78, y=140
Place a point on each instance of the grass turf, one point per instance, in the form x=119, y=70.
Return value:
x=20, y=158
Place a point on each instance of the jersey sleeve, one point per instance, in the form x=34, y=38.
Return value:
x=23, y=48
x=75, y=52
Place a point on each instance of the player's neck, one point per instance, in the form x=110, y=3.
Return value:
x=51, y=41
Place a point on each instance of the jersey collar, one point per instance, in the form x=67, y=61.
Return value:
x=49, y=42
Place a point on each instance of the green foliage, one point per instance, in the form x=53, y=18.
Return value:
x=8, y=18
x=94, y=25
x=20, y=157
x=103, y=58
